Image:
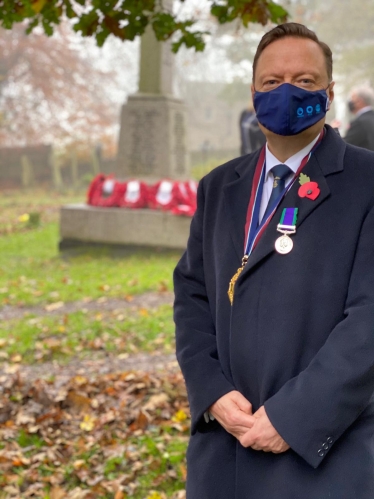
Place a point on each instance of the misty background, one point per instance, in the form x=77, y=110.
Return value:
x=67, y=92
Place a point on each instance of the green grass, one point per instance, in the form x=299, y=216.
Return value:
x=80, y=333
x=15, y=204
x=165, y=462
x=32, y=272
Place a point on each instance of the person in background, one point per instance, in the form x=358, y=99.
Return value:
x=251, y=136
x=361, y=130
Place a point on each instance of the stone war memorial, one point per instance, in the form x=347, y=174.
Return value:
x=152, y=146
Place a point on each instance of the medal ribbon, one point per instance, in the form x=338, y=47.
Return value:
x=253, y=231
x=289, y=217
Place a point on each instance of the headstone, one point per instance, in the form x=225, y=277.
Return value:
x=153, y=135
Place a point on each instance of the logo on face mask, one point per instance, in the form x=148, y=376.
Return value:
x=309, y=111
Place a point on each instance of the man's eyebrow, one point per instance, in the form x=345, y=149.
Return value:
x=300, y=73
x=307, y=73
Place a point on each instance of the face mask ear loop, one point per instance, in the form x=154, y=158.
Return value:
x=328, y=103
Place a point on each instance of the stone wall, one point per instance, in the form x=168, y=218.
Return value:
x=33, y=166
x=15, y=170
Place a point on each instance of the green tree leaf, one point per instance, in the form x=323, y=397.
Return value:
x=128, y=19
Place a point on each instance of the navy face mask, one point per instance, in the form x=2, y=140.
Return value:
x=288, y=110
x=351, y=106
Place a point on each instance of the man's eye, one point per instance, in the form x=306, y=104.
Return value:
x=271, y=82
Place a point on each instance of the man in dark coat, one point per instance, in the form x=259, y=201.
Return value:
x=251, y=135
x=361, y=130
x=281, y=380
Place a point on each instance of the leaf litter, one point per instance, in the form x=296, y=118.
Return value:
x=111, y=435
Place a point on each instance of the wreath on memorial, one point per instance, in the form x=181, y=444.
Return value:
x=176, y=197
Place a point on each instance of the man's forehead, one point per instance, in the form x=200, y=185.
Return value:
x=291, y=51
x=288, y=47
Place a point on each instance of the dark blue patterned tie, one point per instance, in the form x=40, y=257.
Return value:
x=280, y=173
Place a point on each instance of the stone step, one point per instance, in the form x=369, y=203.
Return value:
x=83, y=224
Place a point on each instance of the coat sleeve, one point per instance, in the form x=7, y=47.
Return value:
x=313, y=410
x=356, y=134
x=196, y=345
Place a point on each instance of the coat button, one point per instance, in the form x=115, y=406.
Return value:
x=321, y=453
x=329, y=440
x=325, y=446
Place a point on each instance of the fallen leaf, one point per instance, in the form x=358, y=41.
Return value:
x=78, y=401
x=57, y=493
x=78, y=464
x=179, y=416
x=88, y=423
x=141, y=422
x=54, y=306
x=162, y=287
x=158, y=400
x=16, y=358
x=155, y=495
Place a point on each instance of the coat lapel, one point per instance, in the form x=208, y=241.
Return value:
x=327, y=159
x=237, y=195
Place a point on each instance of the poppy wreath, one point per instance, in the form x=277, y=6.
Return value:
x=187, y=192
x=183, y=210
x=135, y=195
x=191, y=186
x=186, y=199
x=106, y=192
x=95, y=186
x=163, y=195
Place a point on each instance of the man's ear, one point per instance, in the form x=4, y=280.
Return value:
x=253, y=91
x=331, y=94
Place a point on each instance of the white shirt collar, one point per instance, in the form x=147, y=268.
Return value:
x=363, y=110
x=293, y=162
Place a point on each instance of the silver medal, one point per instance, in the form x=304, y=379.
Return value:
x=283, y=244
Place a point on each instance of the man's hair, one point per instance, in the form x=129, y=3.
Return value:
x=294, y=30
x=365, y=92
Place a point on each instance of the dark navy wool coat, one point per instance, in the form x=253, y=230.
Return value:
x=299, y=338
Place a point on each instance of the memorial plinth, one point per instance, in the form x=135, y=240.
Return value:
x=153, y=134
x=152, y=146
x=153, y=138
x=81, y=225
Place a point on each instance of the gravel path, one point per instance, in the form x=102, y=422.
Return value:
x=109, y=363
x=145, y=300
x=93, y=367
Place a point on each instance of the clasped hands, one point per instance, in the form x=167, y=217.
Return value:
x=234, y=412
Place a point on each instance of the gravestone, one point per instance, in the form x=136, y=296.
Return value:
x=153, y=134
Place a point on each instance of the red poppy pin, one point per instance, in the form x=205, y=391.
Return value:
x=307, y=188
